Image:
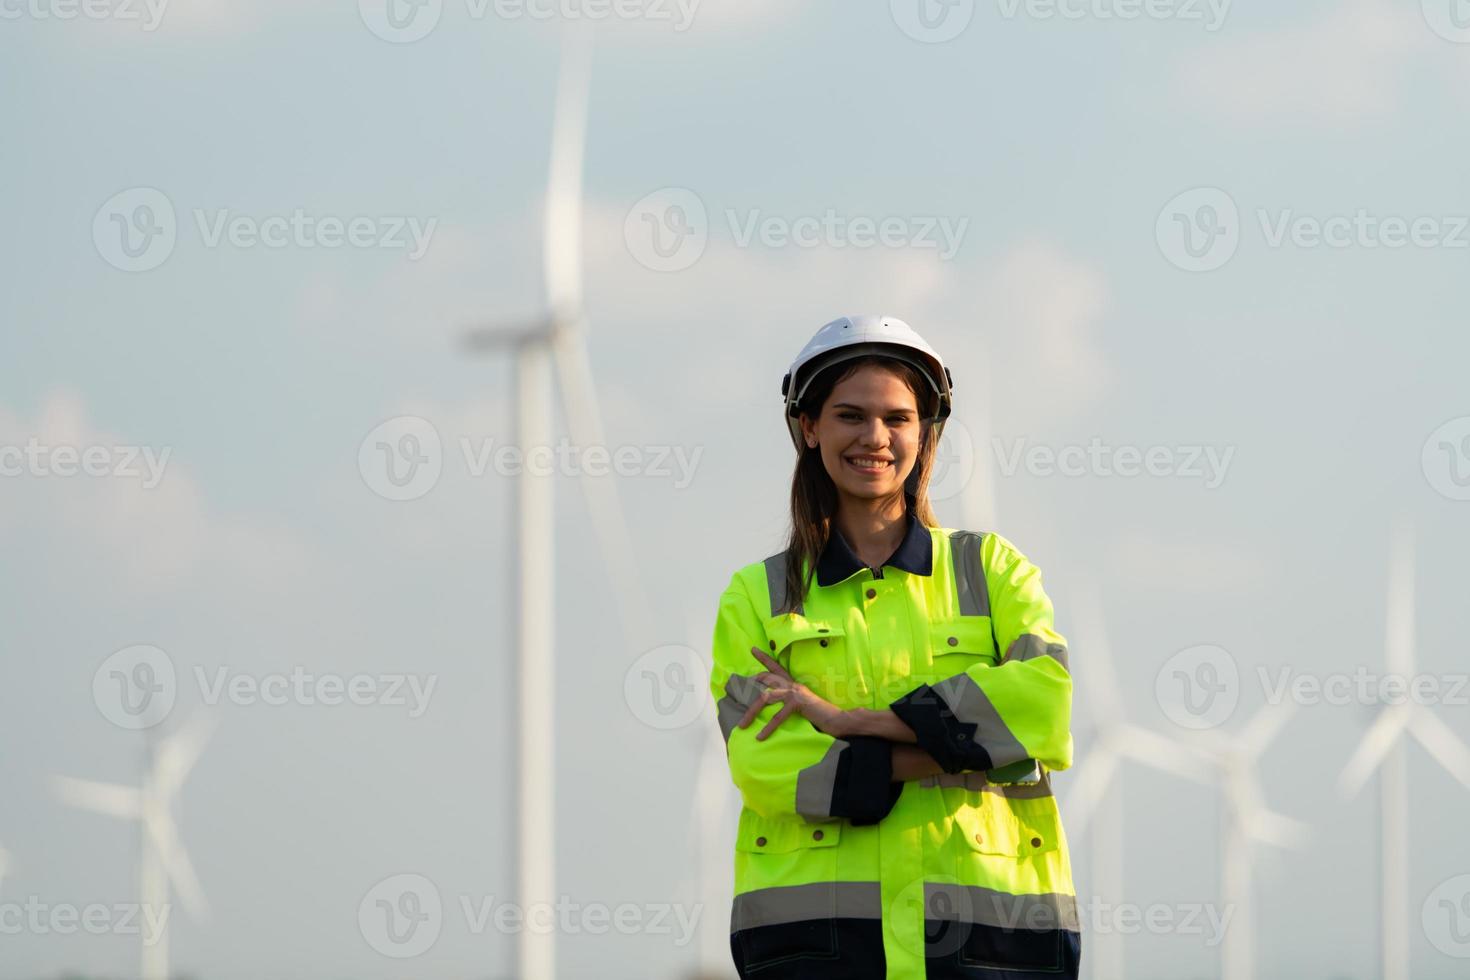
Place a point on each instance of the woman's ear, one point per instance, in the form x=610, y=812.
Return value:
x=808, y=431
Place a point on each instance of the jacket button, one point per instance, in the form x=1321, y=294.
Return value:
x=773, y=644
x=979, y=839
x=872, y=593
x=823, y=641
x=760, y=842
x=1036, y=842
x=816, y=835
x=954, y=641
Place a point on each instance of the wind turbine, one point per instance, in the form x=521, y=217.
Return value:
x=714, y=803
x=977, y=503
x=1382, y=748
x=1098, y=787
x=162, y=858
x=1247, y=821
x=555, y=340
x=715, y=800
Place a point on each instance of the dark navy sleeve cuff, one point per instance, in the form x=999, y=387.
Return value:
x=865, y=792
x=950, y=741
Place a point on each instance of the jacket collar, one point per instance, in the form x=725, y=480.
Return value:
x=915, y=554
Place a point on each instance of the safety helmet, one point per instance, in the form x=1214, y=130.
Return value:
x=856, y=336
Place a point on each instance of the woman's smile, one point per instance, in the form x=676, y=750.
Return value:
x=869, y=465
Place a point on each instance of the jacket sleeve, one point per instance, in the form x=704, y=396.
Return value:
x=1021, y=708
x=797, y=769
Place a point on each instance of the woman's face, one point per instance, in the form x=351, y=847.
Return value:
x=869, y=433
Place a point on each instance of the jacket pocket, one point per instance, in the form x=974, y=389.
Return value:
x=775, y=853
x=955, y=645
x=1007, y=827
x=765, y=835
x=816, y=653
x=1005, y=925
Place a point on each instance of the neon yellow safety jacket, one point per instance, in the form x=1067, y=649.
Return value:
x=841, y=872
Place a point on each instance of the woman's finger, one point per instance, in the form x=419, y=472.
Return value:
x=753, y=710
x=768, y=696
x=774, y=723
x=770, y=661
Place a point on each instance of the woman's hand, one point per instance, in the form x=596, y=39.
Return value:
x=797, y=698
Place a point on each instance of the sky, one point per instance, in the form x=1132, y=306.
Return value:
x=1198, y=270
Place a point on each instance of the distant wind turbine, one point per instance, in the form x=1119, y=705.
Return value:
x=555, y=339
x=1247, y=821
x=1097, y=788
x=162, y=859
x=1382, y=748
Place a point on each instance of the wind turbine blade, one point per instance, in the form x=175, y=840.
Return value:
x=1094, y=776
x=492, y=337
x=1273, y=828
x=563, y=232
x=1441, y=743
x=165, y=839
x=177, y=753
x=714, y=807
x=1376, y=742
x=979, y=505
x=1264, y=726
x=1098, y=669
x=1399, y=608
x=1157, y=752
x=123, y=802
x=604, y=504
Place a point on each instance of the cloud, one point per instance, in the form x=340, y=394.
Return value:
x=1028, y=316
x=143, y=525
x=466, y=278
x=1038, y=308
x=1348, y=65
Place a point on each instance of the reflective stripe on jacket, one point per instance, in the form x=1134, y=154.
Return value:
x=841, y=872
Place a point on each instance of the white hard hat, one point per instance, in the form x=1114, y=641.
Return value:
x=856, y=336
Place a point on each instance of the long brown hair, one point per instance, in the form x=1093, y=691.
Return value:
x=814, y=495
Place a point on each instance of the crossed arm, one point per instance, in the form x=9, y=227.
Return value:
x=814, y=759
x=909, y=761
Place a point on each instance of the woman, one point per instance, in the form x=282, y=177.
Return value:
x=892, y=696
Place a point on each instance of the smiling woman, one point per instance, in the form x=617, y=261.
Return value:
x=893, y=695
